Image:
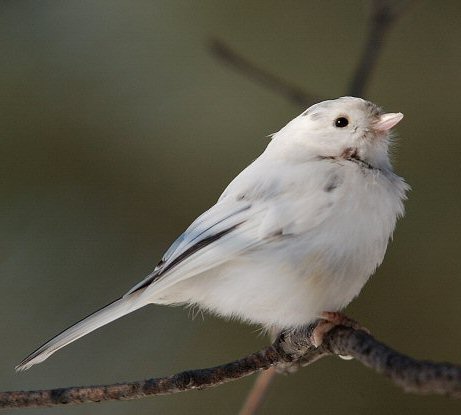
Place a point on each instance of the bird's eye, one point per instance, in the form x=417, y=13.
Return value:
x=341, y=122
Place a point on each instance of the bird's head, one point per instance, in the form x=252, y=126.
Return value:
x=338, y=128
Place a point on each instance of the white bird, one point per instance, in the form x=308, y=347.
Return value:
x=297, y=233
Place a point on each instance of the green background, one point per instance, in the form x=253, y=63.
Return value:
x=118, y=128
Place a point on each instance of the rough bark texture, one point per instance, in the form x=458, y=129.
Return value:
x=290, y=348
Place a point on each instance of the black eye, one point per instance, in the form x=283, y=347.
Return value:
x=341, y=122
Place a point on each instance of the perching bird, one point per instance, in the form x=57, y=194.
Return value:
x=297, y=233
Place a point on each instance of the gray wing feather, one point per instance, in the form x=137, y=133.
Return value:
x=207, y=230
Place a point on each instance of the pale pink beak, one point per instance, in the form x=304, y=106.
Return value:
x=387, y=121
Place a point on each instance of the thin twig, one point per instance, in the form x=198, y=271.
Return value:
x=273, y=82
x=383, y=14
x=412, y=375
x=258, y=392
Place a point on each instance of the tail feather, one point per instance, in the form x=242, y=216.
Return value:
x=98, y=319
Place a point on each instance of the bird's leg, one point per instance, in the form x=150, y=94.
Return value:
x=329, y=320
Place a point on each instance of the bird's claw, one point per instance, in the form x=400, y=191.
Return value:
x=329, y=320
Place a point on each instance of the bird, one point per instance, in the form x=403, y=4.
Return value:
x=296, y=234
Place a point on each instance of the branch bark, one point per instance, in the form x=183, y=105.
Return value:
x=290, y=348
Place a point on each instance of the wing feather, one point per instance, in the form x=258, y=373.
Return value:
x=207, y=233
x=247, y=215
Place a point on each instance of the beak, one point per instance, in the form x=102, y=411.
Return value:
x=387, y=121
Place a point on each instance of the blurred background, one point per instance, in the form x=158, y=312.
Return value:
x=119, y=127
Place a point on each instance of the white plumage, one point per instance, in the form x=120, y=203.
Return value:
x=296, y=233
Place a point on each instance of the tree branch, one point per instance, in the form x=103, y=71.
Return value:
x=290, y=348
x=383, y=14
x=273, y=82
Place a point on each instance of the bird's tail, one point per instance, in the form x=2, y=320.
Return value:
x=98, y=319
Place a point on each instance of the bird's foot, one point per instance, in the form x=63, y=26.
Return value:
x=329, y=320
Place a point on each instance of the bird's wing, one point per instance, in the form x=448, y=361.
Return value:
x=226, y=229
x=238, y=222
